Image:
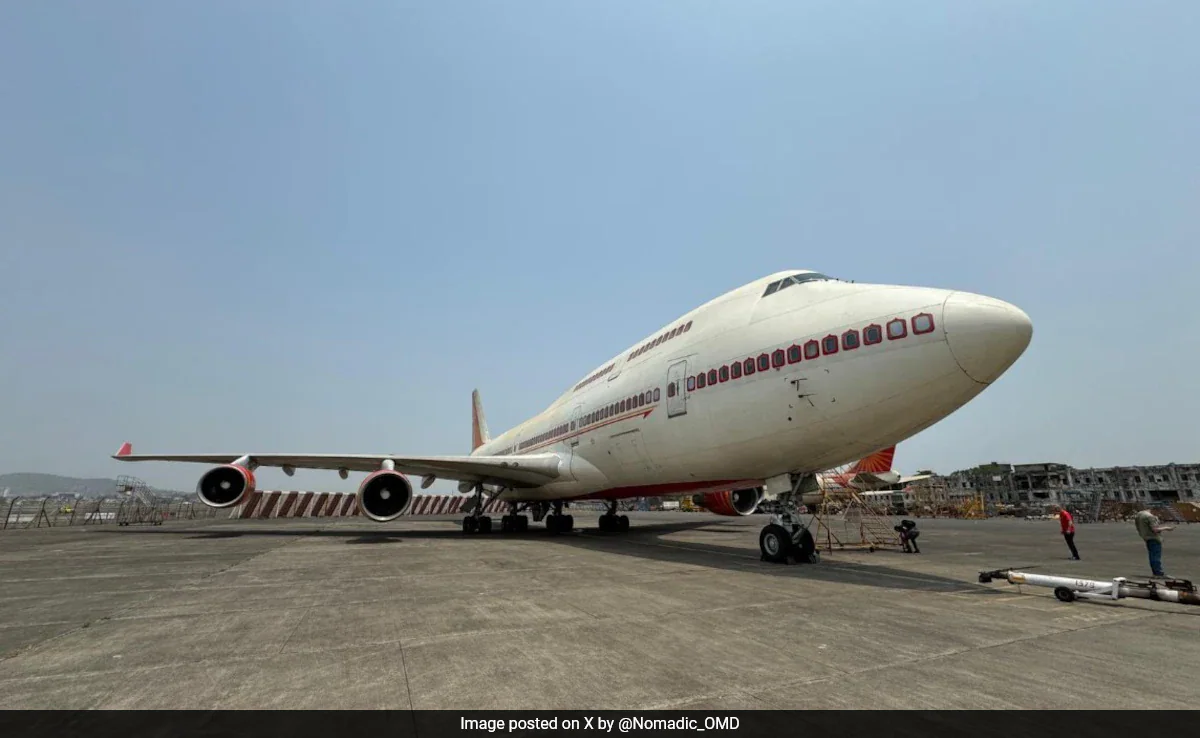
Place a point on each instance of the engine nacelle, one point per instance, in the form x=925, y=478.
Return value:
x=225, y=486
x=730, y=502
x=384, y=495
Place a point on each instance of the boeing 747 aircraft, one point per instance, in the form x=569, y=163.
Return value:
x=754, y=393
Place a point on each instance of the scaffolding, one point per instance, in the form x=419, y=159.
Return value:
x=139, y=504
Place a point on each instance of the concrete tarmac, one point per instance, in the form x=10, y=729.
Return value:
x=677, y=613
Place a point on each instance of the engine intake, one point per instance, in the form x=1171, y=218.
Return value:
x=225, y=486
x=384, y=495
x=730, y=502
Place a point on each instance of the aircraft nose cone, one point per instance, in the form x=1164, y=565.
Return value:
x=985, y=335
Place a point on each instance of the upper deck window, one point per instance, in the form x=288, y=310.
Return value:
x=801, y=278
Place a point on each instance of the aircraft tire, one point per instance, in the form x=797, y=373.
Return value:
x=623, y=523
x=485, y=525
x=568, y=523
x=606, y=523
x=774, y=543
x=470, y=525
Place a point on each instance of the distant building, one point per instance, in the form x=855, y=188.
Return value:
x=1054, y=483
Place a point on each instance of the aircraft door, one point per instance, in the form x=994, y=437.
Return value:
x=573, y=440
x=677, y=389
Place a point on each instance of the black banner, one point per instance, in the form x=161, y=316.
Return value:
x=594, y=723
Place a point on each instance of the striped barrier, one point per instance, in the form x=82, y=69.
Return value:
x=274, y=503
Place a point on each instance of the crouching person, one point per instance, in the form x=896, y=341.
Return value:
x=908, y=536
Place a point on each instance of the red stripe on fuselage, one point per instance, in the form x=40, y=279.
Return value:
x=670, y=489
x=644, y=412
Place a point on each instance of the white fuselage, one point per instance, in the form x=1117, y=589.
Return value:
x=643, y=425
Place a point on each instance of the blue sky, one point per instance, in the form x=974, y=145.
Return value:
x=316, y=226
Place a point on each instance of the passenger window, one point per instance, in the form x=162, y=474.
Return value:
x=691, y=385
x=735, y=370
x=922, y=323
x=830, y=345
x=850, y=340
x=748, y=367
x=793, y=354
x=872, y=334
x=712, y=376
x=812, y=350
x=671, y=389
x=701, y=381
x=656, y=395
x=777, y=358
x=897, y=329
x=764, y=362
x=723, y=374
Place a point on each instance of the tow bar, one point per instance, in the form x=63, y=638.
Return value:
x=1068, y=589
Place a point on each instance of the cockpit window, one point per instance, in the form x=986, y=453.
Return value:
x=801, y=278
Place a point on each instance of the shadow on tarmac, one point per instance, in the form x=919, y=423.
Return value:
x=643, y=541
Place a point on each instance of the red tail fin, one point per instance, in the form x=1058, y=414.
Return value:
x=479, y=430
x=880, y=461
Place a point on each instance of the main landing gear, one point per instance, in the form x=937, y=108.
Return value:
x=610, y=522
x=785, y=537
x=476, y=521
x=512, y=522
x=557, y=522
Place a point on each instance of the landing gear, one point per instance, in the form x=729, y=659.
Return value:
x=785, y=537
x=557, y=522
x=513, y=522
x=610, y=522
x=476, y=521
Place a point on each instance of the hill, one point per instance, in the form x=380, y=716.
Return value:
x=37, y=485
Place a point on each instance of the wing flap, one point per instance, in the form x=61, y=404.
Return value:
x=532, y=470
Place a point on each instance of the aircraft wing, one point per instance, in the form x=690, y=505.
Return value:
x=532, y=470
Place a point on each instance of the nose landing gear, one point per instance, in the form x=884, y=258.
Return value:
x=785, y=538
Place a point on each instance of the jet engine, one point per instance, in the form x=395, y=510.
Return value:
x=225, y=486
x=384, y=495
x=730, y=502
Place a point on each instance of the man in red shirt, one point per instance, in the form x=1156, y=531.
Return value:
x=1068, y=530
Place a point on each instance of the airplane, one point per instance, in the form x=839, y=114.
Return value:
x=750, y=395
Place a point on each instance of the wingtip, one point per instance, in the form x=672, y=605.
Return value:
x=125, y=450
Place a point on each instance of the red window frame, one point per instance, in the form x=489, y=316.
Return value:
x=825, y=345
x=701, y=380
x=691, y=384
x=735, y=370
x=903, y=324
x=712, y=377
x=723, y=374
x=764, y=362
x=778, y=358
x=815, y=345
x=914, y=324
x=748, y=367
x=857, y=341
x=867, y=334
x=794, y=353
